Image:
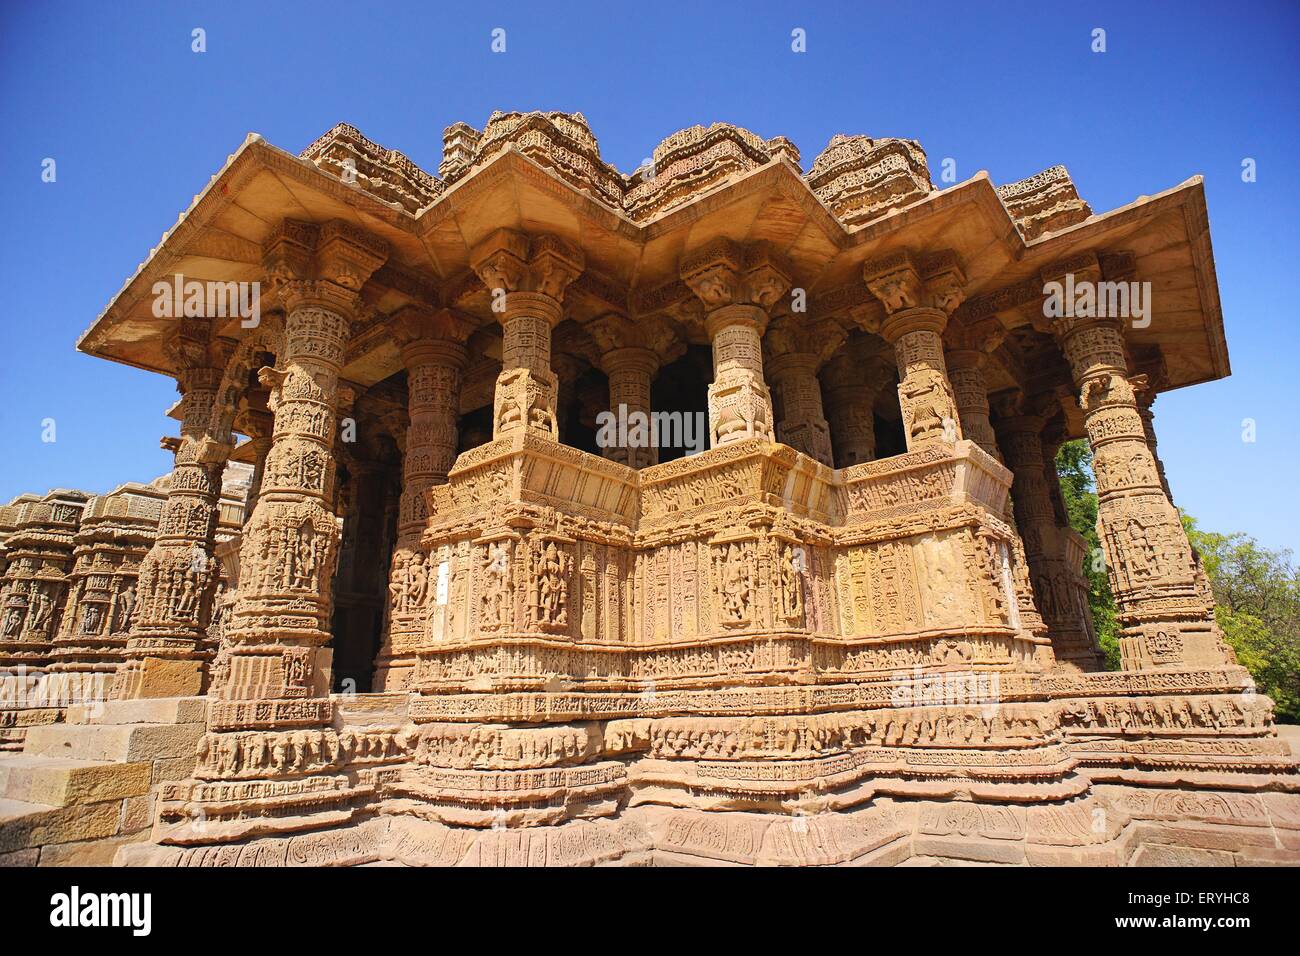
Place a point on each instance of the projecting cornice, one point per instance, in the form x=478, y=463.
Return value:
x=633, y=264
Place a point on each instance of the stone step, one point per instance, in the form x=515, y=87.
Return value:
x=60, y=781
x=160, y=710
x=26, y=825
x=116, y=742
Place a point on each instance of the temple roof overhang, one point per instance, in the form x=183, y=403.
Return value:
x=633, y=250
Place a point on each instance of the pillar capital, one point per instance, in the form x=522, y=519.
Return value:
x=969, y=344
x=902, y=282
x=795, y=341
x=632, y=359
x=324, y=266
x=616, y=332
x=735, y=314
x=510, y=262
x=725, y=273
x=427, y=335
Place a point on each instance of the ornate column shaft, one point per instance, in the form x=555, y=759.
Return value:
x=918, y=300
x=802, y=425
x=851, y=390
x=164, y=655
x=273, y=670
x=1153, y=571
x=526, y=278
x=968, y=351
x=434, y=353
x=1020, y=427
x=737, y=286
x=1146, y=399
x=792, y=368
x=258, y=426
x=631, y=371
x=631, y=354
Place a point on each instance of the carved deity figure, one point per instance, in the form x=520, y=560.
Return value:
x=791, y=583
x=305, y=558
x=92, y=619
x=397, y=583
x=13, y=621
x=736, y=591
x=495, y=592
x=42, y=608
x=417, y=581
x=1141, y=553
x=551, y=606
x=125, y=610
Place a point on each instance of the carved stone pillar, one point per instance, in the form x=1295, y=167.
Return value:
x=1072, y=548
x=631, y=355
x=1020, y=427
x=794, y=352
x=737, y=286
x=164, y=654
x=258, y=427
x=526, y=278
x=631, y=372
x=1153, y=571
x=969, y=347
x=273, y=671
x=852, y=384
x=918, y=298
x=433, y=351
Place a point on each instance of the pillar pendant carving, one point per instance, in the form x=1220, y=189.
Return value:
x=1152, y=568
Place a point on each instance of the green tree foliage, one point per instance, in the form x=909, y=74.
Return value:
x=1257, y=605
x=1074, y=468
x=1256, y=590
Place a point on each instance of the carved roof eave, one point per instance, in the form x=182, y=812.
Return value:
x=1108, y=231
x=1189, y=195
x=253, y=155
x=778, y=177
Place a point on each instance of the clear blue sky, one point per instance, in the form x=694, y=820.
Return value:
x=138, y=123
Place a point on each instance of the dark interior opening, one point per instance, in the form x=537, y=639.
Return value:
x=682, y=387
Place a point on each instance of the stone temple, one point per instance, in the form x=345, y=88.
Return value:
x=401, y=600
